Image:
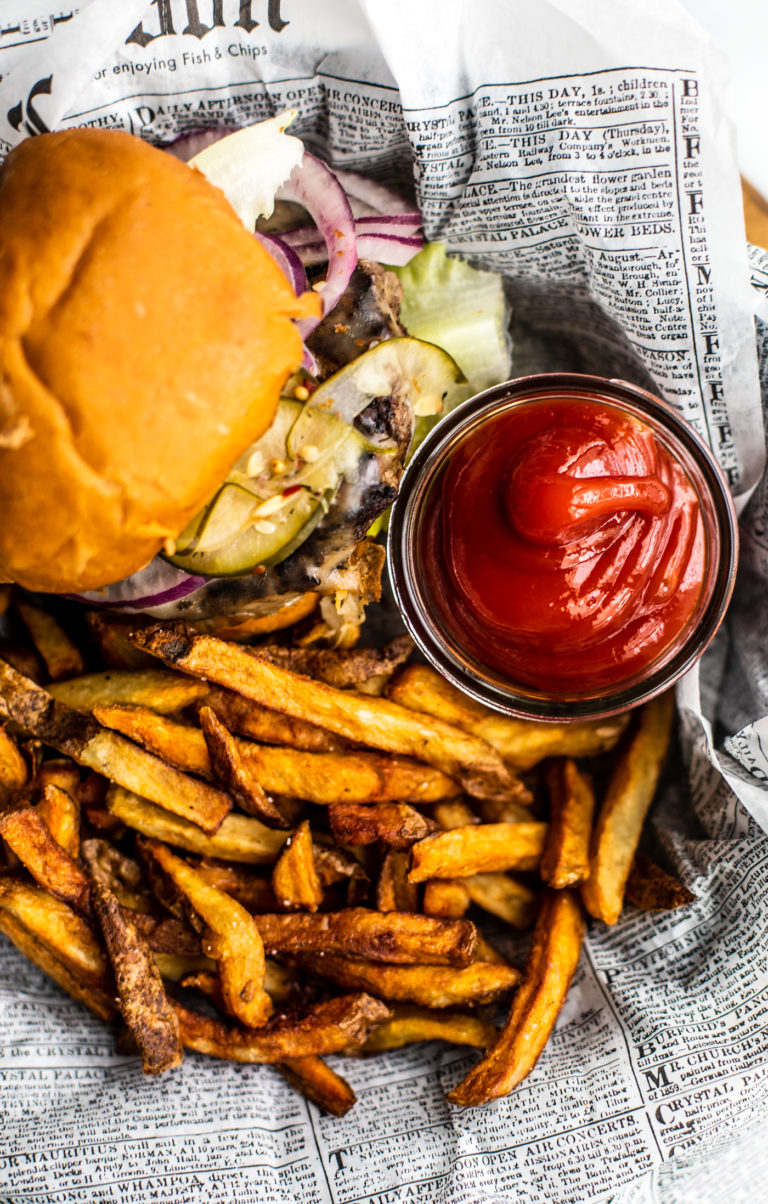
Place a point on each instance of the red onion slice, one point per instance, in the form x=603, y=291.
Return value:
x=396, y=249
x=186, y=146
x=387, y=225
x=378, y=196
x=315, y=187
x=154, y=585
x=286, y=258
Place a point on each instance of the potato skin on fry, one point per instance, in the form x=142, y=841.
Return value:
x=326, y=1028
x=395, y=937
x=477, y=849
x=395, y=824
x=431, y=986
x=551, y=965
x=143, y=1002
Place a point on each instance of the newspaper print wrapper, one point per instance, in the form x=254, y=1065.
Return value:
x=579, y=147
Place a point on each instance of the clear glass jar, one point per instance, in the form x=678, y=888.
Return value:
x=440, y=637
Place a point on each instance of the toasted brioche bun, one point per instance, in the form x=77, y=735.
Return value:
x=144, y=340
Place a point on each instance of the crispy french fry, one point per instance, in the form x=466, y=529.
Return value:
x=57, y=926
x=315, y=1080
x=393, y=890
x=650, y=888
x=231, y=939
x=143, y=1003
x=26, y=834
x=486, y=848
x=239, y=838
x=318, y=777
x=295, y=880
x=238, y=776
x=455, y=813
x=176, y=966
x=81, y=738
x=60, y=812
x=629, y=795
x=409, y=1024
x=565, y=861
x=367, y=720
x=117, y=871
x=397, y=937
x=446, y=897
x=61, y=655
x=154, y=688
x=486, y=952
x=177, y=743
x=551, y=965
x=38, y=952
x=503, y=811
x=430, y=986
x=395, y=824
x=109, y=632
x=326, y=1028
x=341, y=667
x=13, y=768
x=253, y=892
x=247, y=718
x=504, y=897
x=165, y=934
x=521, y=742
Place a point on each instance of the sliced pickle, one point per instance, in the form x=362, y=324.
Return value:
x=421, y=372
x=283, y=484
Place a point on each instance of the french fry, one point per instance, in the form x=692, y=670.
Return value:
x=521, y=742
x=455, y=813
x=318, y=777
x=327, y=1028
x=315, y=1080
x=393, y=890
x=503, y=896
x=239, y=837
x=367, y=720
x=176, y=966
x=57, y=926
x=430, y=986
x=629, y=795
x=336, y=865
x=486, y=848
x=109, y=632
x=247, y=718
x=565, y=861
x=177, y=743
x=446, y=897
x=13, y=768
x=62, y=657
x=117, y=871
x=397, y=937
x=80, y=737
x=503, y=811
x=26, y=834
x=236, y=775
x=143, y=1003
x=341, y=667
x=551, y=965
x=60, y=812
x=231, y=939
x=165, y=934
x=295, y=880
x=41, y=954
x=395, y=824
x=253, y=892
x=650, y=888
x=409, y=1024
x=154, y=688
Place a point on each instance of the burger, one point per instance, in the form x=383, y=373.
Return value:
x=169, y=442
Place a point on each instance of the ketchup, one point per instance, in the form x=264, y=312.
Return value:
x=566, y=548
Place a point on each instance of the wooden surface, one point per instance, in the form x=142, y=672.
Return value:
x=755, y=215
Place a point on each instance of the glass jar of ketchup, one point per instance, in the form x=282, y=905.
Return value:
x=563, y=546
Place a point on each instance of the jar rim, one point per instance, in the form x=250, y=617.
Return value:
x=428, y=462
